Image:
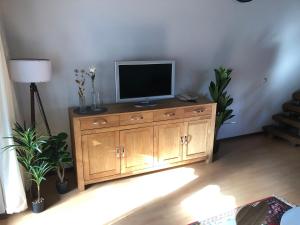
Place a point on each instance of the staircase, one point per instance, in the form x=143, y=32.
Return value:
x=288, y=122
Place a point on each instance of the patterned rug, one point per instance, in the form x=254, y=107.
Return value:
x=276, y=208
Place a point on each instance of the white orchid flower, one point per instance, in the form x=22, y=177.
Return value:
x=92, y=69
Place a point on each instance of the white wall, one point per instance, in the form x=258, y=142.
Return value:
x=258, y=39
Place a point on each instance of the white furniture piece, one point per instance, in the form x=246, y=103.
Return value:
x=291, y=217
x=32, y=71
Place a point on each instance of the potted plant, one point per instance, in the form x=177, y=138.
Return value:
x=55, y=149
x=28, y=146
x=222, y=98
x=38, y=173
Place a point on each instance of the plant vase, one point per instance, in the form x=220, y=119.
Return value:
x=94, y=100
x=216, y=147
x=38, y=206
x=82, y=104
x=62, y=188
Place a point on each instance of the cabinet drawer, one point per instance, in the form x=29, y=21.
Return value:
x=168, y=114
x=197, y=111
x=134, y=118
x=99, y=122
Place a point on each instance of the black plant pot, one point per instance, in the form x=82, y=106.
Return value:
x=38, y=207
x=216, y=150
x=62, y=188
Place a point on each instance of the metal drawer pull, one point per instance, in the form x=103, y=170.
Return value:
x=123, y=152
x=187, y=139
x=118, y=152
x=182, y=140
x=199, y=110
x=169, y=114
x=136, y=118
x=102, y=122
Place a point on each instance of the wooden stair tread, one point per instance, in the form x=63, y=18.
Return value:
x=296, y=96
x=282, y=133
x=290, y=107
x=281, y=118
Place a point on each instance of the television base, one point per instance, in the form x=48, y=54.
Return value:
x=145, y=104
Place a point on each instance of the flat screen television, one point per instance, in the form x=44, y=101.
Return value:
x=144, y=81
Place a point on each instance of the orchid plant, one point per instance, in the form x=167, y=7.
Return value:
x=92, y=74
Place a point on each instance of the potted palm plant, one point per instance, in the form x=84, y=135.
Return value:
x=55, y=149
x=28, y=146
x=222, y=98
x=38, y=172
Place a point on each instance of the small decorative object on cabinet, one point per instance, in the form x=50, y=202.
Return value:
x=80, y=81
x=96, y=105
x=92, y=74
x=126, y=140
x=96, y=94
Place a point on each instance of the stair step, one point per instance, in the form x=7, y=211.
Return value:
x=291, y=107
x=282, y=133
x=296, y=96
x=288, y=120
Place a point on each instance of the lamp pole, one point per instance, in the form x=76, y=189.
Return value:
x=35, y=92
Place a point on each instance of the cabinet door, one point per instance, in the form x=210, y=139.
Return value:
x=101, y=157
x=137, y=145
x=197, y=133
x=168, y=143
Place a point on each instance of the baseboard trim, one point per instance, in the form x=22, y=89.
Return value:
x=3, y=216
x=241, y=136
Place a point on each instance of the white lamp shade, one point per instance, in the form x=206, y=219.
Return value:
x=30, y=70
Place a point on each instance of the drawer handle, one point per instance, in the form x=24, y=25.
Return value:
x=118, y=152
x=187, y=139
x=199, y=111
x=123, y=152
x=102, y=122
x=182, y=140
x=136, y=118
x=169, y=114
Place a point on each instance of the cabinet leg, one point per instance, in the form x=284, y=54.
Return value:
x=209, y=160
x=81, y=187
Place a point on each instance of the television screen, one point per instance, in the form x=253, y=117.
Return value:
x=145, y=80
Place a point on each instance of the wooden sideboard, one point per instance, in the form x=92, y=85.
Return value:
x=126, y=140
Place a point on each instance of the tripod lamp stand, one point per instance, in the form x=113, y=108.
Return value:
x=32, y=71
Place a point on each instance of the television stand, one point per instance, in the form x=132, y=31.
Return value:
x=145, y=104
x=125, y=140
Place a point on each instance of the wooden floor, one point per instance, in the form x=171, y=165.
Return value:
x=249, y=168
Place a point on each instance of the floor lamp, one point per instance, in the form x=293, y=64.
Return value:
x=32, y=71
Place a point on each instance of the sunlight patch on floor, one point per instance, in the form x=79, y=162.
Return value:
x=106, y=202
x=208, y=202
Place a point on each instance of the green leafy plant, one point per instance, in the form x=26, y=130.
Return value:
x=55, y=149
x=28, y=146
x=38, y=173
x=221, y=97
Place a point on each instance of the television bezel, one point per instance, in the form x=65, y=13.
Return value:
x=142, y=99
